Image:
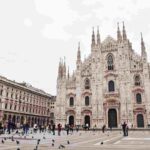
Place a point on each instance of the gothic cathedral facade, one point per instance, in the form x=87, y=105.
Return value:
x=110, y=86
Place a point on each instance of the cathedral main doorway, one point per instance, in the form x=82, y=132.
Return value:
x=140, y=121
x=71, y=120
x=87, y=120
x=112, y=118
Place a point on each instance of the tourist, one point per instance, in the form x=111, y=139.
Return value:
x=124, y=128
x=53, y=128
x=9, y=126
x=87, y=126
x=59, y=129
x=104, y=128
x=127, y=128
x=67, y=128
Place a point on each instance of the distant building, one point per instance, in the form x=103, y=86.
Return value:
x=110, y=86
x=20, y=102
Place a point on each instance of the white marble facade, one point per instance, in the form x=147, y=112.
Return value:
x=110, y=86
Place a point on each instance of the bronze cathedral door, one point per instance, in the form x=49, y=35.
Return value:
x=112, y=118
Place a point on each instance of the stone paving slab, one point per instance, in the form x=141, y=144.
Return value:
x=137, y=140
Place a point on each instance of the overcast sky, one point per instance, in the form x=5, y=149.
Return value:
x=35, y=34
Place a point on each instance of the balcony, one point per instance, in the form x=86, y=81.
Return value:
x=86, y=108
x=70, y=108
x=139, y=106
x=114, y=94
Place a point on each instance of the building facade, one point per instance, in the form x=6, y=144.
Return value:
x=110, y=86
x=21, y=102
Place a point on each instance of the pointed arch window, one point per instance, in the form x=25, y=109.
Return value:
x=138, y=98
x=87, y=84
x=87, y=101
x=111, y=86
x=110, y=62
x=71, y=102
x=137, y=81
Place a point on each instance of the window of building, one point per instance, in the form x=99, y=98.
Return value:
x=137, y=80
x=111, y=86
x=15, y=107
x=1, y=92
x=10, y=106
x=110, y=62
x=87, y=101
x=71, y=102
x=6, y=106
x=11, y=95
x=138, y=98
x=87, y=84
x=51, y=115
x=7, y=94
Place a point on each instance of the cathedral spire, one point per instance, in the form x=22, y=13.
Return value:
x=64, y=67
x=142, y=43
x=98, y=36
x=68, y=73
x=143, y=49
x=93, y=38
x=119, y=37
x=79, y=53
x=124, y=32
x=60, y=69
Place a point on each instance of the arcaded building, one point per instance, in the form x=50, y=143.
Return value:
x=21, y=103
x=110, y=86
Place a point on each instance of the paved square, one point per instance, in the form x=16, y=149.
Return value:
x=89, y=140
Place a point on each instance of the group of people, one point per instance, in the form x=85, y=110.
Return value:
x=10, y=127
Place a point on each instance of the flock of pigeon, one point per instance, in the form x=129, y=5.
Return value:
x=16, y=140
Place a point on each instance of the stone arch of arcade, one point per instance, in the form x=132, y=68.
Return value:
x=18, y=118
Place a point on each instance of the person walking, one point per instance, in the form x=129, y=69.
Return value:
x=59, y=129
x=104, y=128
x=124, y=128
x=53, y=128
x=67, y=128
x=127, y=128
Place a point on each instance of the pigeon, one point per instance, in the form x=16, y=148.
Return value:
x=17, y=132
x=53, y=140
x=3, y=142
x=52, y=144
x=17, y=142
x=102, y=143
x=12, y=138
x=68, y=142
x=38, y=141
x=61, y=146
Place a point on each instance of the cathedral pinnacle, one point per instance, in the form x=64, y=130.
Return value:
x=143, y=51
x=79, y=53
x=93, y=38
x=68, y=73
x=119, y=37
x=124, y=32
x=98, y=36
